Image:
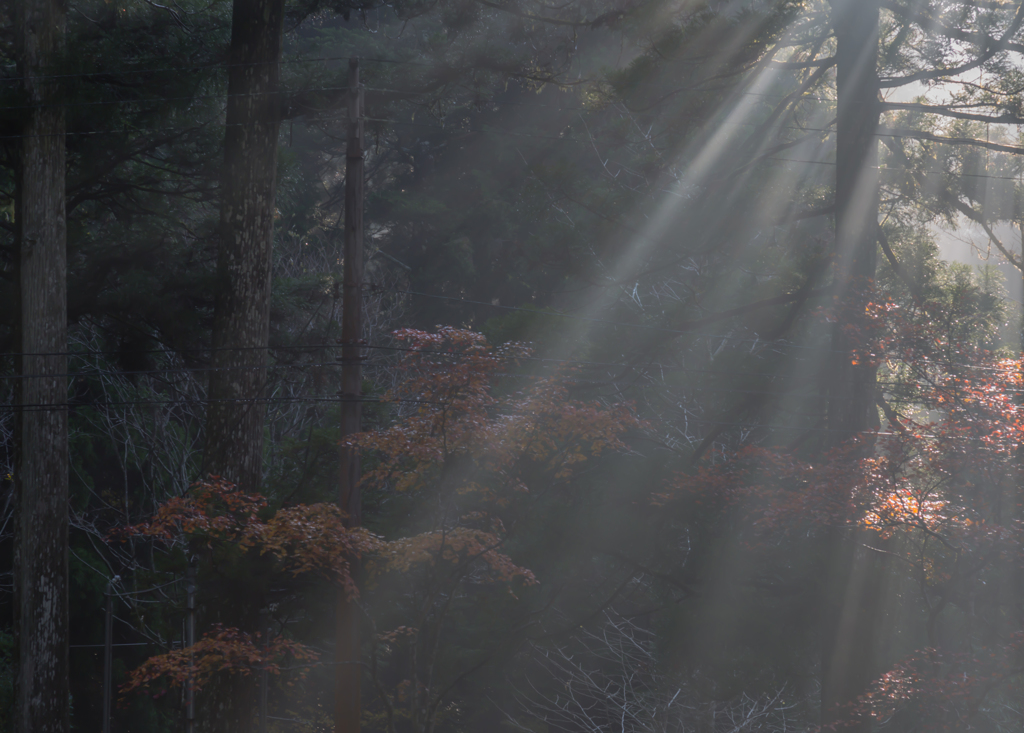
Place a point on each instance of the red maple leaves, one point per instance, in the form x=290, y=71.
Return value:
x=302, y=539
x=941, y=489
x=454, y=437
x=220, y=650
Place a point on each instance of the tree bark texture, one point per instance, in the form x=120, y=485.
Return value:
x=41, y=546
x=853, y=606
x=852, y=387
x=236, y=409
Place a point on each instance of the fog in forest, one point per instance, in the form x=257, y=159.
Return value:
x=466, y=366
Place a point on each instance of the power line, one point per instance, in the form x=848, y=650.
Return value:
x=310, y=347
x=317, y=347
x=688, y=418
x=660, y=329
x=224, y=95
x=313, y=59
x=566, y=379
x=558, y=138
x=44, y=407
x=205, y=67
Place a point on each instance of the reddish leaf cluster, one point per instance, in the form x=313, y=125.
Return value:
x=470, y=443
x=941, y=486
x=221, y=650
x=461, y=440
x=777, y=492
x=940, y=691
x=458, y=546
x=302, y=539
x=210, y=510
x=451, y=374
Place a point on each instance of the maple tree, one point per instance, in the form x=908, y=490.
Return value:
x=470, y=451
x=214, y=515
x=220, y=650
x=458, y=444
x=936, y=493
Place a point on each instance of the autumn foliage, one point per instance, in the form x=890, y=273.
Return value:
x=450, y=375
x=301, y=539
x=460, y=436
x=937, y=491
x=220, y=650
x=474, y=447
x=478, y=429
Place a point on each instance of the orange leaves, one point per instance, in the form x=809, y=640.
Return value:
x=313, y=539
x=477, y=448
x=935, y=687
x=457, y=546
x=212, y=509
x=222, y=650
x=468, y=448
x=309, y=539
x=450, y=375
x=940, y=477
x=777, y=492
x=550, y=429
x=302, y=539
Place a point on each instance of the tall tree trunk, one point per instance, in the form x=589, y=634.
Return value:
x=241, y=326
x=852, y=408
x=41, y=550
x=236, y=410
x=855, y=589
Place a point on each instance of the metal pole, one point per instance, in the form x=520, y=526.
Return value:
x=108, y=656
x=347, y=702
x=190, y=640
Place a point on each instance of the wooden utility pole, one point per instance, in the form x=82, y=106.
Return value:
x=41, y=476
x=347, y=695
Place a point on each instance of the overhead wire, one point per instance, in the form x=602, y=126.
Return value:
x=743, y=339
x=755, y=339
x=564, y=378
x=404, y=92
x=504, y=132
x=45, y=406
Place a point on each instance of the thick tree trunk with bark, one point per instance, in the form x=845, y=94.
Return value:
x=41, y=550
x=851, y=407
x=236, y=410
x=853, y=606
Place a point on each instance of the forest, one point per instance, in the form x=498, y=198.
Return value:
x=538, y=366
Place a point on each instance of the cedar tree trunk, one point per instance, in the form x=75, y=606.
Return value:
x=236, y=410
x=41, y=546
x=855, y=588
